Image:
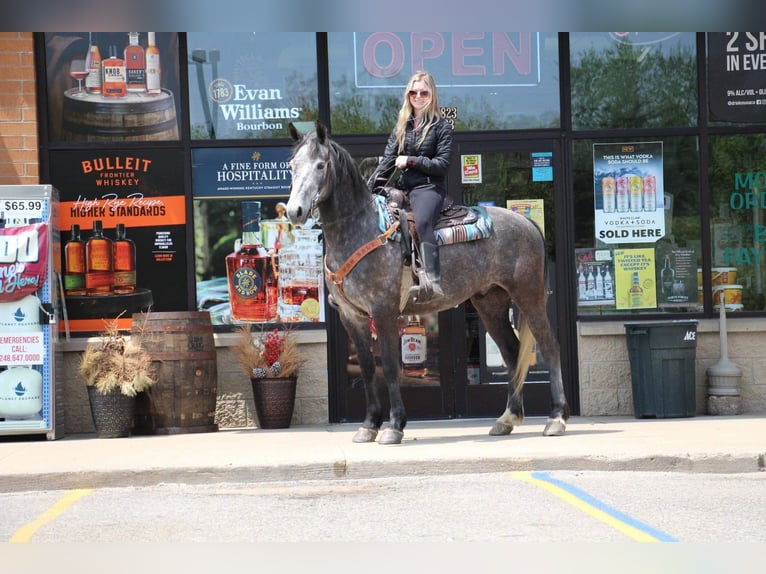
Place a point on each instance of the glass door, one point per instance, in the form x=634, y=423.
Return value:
x=522, y=176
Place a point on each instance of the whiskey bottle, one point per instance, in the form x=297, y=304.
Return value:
x=93, y=81
x=124, y=251
x=414, y=345
x=667, y=276
x=135, y=65
x=99, y=269
x=74, y=264
x=636, y=293
x=113, y=85
x=251, y=272
x=153, y=70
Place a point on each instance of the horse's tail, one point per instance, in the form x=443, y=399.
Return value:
x=526, y=344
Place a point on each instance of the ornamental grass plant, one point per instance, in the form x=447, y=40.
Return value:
x=114, y=362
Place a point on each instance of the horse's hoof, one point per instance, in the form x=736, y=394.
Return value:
x=555, y=427
x=500, y=429
x=391, y=436
x=365, y=435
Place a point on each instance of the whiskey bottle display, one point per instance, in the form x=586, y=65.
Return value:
x=93, y=80
x=153, y=70
x=124, y=259
x=114, y=83
x=300, y=277
x=99, y=269
x=74, y=264
x=135, y=65
x=414, y=345
x=251, y=272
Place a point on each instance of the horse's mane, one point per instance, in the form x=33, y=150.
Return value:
x=347, y=169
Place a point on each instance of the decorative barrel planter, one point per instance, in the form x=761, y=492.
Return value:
x=274, y=399
x=182, y=349
x=112, y=413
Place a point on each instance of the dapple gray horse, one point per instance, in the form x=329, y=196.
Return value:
x=367, y=278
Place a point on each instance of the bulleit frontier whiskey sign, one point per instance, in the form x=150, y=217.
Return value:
x=132, y=200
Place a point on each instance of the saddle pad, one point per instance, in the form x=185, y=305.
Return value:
x=461, y=233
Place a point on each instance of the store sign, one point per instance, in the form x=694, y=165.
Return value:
x=241, y=173
x=736, y=67
x=456, y=59
x=628, y=192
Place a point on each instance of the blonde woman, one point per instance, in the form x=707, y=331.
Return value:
x=420, y=146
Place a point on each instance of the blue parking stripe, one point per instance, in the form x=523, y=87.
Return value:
x=605, y=508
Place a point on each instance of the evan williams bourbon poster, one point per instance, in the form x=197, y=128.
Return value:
x=129, y=209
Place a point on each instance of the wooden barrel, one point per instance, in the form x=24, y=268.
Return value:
x=182, y=349
x=136, y=117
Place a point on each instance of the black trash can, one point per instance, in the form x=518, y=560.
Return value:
x=662, y=368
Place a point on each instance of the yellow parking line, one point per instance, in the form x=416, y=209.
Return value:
x=25, y=533
x=593, y=507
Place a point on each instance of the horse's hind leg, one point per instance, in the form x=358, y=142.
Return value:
x=358, y=330
x=493, y=310
x=537, y=317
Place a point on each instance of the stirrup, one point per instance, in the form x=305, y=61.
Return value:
x=424, y=290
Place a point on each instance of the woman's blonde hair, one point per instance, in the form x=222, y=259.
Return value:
x=431, y=113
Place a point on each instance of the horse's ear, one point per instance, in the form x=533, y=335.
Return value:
x=321, y=132
x=293, y=131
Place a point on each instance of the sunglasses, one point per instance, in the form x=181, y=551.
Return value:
x=421, y=93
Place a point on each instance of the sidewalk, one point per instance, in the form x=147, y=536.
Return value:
x=698, y=444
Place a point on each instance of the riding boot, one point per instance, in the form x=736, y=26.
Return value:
x=430, y=254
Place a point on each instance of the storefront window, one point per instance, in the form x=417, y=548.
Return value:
x=637, y=238
x=250, y=85
x=633, y=80
x=486, y=80
x=738, y=220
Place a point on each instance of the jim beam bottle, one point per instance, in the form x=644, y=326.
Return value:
x=251, y=272
x=99, y=269
x=124, y=250
x=153, y=70
x=135, y=65
x=414, y=345
x=114, y=84
x=74, y=264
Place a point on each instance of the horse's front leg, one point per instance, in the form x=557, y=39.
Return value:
x=358, y=330
x=388, y=339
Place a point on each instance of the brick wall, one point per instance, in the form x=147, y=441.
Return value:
x=19, y=159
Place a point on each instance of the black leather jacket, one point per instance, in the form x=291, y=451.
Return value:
x=427, y=163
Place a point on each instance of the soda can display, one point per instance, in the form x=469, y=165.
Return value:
x=622, y=193
x=650, y=193
x=636, y=192
x=608, y=193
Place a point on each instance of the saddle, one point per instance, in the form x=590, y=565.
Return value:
x=455, y=224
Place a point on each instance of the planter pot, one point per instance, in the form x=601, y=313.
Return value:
x=112, y=413
x=274, y=399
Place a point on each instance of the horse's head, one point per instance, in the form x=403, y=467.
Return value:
x=310, y=166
